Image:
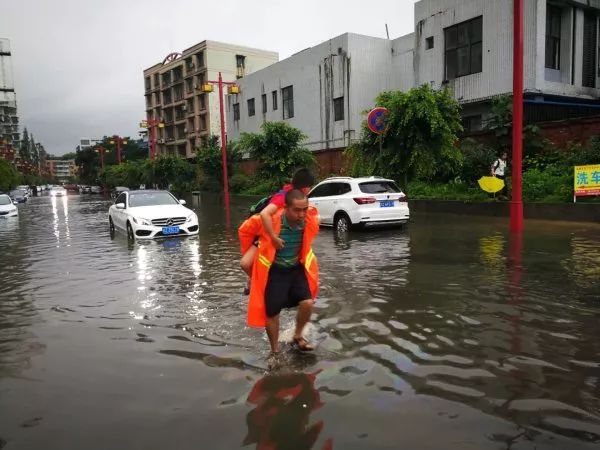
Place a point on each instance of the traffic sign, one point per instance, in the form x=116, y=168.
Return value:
x=377, y=119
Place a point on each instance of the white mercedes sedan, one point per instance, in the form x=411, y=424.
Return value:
x=7, y=208
x=151, y=214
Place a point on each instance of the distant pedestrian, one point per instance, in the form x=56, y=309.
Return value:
x=498, y=170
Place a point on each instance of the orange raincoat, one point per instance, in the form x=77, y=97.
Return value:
x=265, y=255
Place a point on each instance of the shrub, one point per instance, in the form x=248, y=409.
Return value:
x=477, y=160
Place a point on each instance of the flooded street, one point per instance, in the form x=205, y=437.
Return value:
x=432, y=337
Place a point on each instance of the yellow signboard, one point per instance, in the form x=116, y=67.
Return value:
x=587, y=180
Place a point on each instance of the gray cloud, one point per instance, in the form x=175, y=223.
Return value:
x=78, y=63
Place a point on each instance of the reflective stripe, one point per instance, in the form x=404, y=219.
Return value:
x=309, y=258
x=263, y=259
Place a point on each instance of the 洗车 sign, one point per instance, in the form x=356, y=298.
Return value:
x=587, y=180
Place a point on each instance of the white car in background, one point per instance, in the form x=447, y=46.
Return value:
x=7, y=207
x=346, y=202
x=150, y=214
x=58, y=191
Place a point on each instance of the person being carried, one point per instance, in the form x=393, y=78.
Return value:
x=302, y=180
x=287, y=277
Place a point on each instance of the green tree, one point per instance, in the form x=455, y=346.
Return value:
x=89, y=163
x=35, y=157
x=500, y=122
x=278, y=149
x=420, y=137
x=210, y=162
x=9, y=176
x=170, y=170
x=25, y=148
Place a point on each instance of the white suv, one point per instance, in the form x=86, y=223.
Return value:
x=344, y=202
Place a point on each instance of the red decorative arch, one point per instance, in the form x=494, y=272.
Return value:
x=171, y=57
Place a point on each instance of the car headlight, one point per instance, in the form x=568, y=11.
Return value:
x=141, y=221
x=190, y=218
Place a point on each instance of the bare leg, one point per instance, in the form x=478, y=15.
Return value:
x=305, y=308
x=272, y=329
x=248, y=260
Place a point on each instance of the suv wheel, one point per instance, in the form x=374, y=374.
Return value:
x=111, y=225
x=342, y=223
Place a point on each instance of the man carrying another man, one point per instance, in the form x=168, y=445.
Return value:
x=287, y=277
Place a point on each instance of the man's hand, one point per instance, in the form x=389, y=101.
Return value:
x=278, y=242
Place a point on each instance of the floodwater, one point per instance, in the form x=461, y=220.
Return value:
x=439, y=336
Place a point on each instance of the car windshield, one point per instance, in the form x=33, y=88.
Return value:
x=57, y=188
x=151, y=199
x=379, y=187
x=17, y=192
x=5, y=200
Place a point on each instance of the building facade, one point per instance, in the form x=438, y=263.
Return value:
x=465, y=45
x=63, y=169
x=9, y=120
x=173, y=94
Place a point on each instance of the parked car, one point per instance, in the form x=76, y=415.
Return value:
x=85, y=189
x=151, y=214
x=96, y=190
x=71, y=187
x=58, y=191
x=118, y=190
x=19, y=195
x=346, y=202
x=7, y=207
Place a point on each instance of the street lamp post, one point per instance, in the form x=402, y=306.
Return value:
x=234, y=88
x=516, y=207
x=101, y=150
x=119, y=141
x=149, y=124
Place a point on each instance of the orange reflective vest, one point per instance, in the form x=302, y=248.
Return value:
x=265, y=256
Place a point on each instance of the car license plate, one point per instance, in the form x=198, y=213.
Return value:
x=170, y=230
x=386, y=203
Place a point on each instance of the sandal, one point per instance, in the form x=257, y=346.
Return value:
x=303, y=345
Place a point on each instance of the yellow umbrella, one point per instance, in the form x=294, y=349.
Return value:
x=491, y=184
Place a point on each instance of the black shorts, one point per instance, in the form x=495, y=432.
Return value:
x=286, y=288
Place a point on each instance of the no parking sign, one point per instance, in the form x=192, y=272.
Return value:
x=377, y=119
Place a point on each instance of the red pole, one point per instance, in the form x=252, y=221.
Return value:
x=223, y=144
x=118, y=140
x=516, y=206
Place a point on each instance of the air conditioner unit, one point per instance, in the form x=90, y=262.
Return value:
x=184, y=107
x=160, y=141
x=185, y=130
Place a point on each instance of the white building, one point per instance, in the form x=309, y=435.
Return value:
x=9, y=120
x=464, y=44
x=88, y=142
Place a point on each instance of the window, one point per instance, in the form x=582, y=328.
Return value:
x=264, y=103
x=472, y=123
x=251, y=107
x=553, y=19
x=202, y=102
x=203, y=125
x=324, y=190
x=274, y=93
x=236, y=111
x=287, y=94
x=338, y=108
x=122, y=199
x=463, y=48
x=378, y=187
x=240, y=64
x=429, y=43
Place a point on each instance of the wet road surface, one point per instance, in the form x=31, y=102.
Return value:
x=433, y=337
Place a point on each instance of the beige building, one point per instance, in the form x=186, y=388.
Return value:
x=173, y=95
x=63, y=169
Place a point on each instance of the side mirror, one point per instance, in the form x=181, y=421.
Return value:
x=182, y=202
x=120, y=205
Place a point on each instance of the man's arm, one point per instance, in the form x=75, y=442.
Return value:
x=266, y=215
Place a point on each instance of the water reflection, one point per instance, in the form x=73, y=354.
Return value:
x=281, y=419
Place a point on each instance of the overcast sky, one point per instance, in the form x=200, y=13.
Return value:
x=78, y=63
